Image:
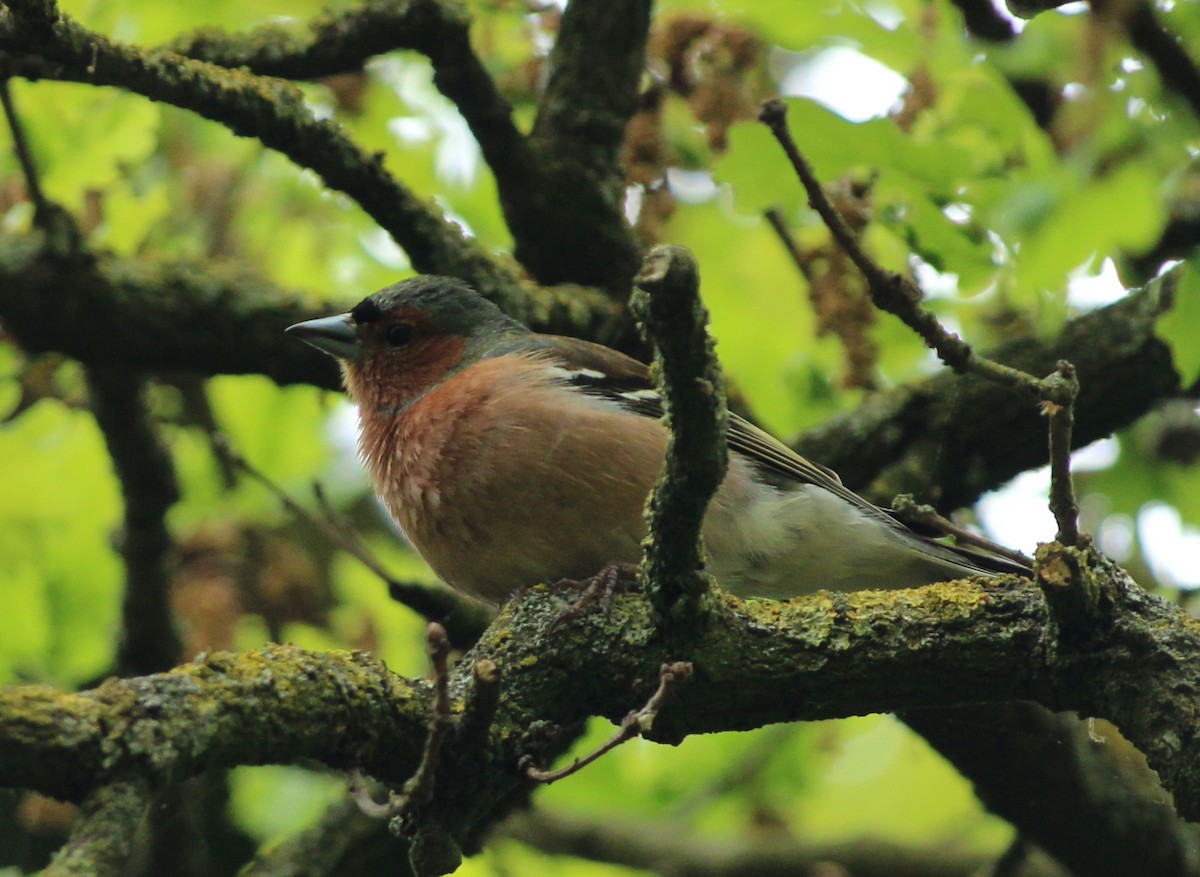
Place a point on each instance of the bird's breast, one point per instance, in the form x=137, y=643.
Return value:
x=501, y=478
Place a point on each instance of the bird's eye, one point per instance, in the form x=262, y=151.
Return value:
x=399, y=334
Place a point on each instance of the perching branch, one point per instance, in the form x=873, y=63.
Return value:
x=670, y=311
x=756, y=662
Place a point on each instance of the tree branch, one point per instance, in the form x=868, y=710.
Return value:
x=331, y=43
x=578, y=187
x=101, y=839
x=757, y=662
x=675, y=321
x=219, y=711
x=342, y=42
x=272, y=111
x=1086, y=790
x=149, y=641
x=1176, y=68
x=211, y=319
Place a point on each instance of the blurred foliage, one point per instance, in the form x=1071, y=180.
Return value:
x=956, y=177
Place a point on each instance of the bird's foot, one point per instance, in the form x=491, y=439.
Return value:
x=618, y=577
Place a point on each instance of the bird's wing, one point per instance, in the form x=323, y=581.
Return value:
x=604, y=372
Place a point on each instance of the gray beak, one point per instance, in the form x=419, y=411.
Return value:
x=332, y=335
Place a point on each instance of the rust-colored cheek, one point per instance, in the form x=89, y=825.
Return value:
x=390, y=379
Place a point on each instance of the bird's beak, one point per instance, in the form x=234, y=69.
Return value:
x=332, y=335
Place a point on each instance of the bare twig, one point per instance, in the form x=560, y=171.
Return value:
x=895, y=293
x=900, y=295
x=911, y=511
x=360, y=794
x=418, y=791
x=779, y=225
x=21, y=148
x=1059, y=405
x=633, y=725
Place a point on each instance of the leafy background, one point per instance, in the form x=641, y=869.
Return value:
x=1001, y=216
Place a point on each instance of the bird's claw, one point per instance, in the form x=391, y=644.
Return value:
x=618, y=577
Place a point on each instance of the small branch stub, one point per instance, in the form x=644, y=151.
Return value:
x=668, y=306
x=1059, y=391
x=1067, y=577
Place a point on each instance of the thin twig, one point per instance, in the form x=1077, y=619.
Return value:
x=24, y=155
x=670, y=676
x=900, y=295
x=418, y=791
x=895, y=293
x=909, y=510
x=360, y=794
x=774, y=217
x=1062, y=387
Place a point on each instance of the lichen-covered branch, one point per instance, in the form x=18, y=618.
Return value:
x=343, y=41
x=755, y=662
x=275, y=113
x=278, y=705
x=670, y=311
x=102, y=838
x=331, y=43
x=210, y=319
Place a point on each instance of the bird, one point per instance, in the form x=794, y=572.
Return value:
x=509, y=458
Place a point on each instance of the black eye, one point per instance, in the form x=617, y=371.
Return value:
x=399, y=334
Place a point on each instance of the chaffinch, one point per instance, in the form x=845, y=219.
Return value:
x=509, y=457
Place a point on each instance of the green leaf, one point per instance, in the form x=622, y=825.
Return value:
x=1179, y=328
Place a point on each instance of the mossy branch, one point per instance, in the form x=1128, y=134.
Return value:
x=673, y=318
x=756, y=662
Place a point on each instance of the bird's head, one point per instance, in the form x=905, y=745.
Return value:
x=397, y=343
